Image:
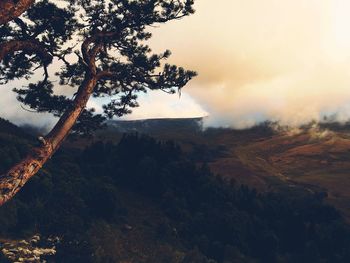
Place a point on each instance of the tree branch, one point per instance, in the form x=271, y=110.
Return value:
x=12, y=181
x=10, y=9
x=27, y=46
x=122, y=25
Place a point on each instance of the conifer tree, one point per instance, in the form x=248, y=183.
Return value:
x=102, y=48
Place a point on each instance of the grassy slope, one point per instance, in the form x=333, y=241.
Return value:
x=307, y=159
x=316, y=158
x=254, y=157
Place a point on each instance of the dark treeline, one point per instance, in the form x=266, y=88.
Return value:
x=211, y=220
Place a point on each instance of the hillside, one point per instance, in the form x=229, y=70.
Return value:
x=14, y=143
x=157, y=126
x=139, y=199
x=7, y=128
x=313, y=157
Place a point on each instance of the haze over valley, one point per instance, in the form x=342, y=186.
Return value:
x=175, y=131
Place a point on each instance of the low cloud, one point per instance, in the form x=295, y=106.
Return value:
x=12, y=110
x=285, y=61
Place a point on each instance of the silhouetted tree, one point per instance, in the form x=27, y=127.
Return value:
x=101, y=44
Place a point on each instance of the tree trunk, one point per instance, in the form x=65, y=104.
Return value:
x=17, y=176
x=10, y=9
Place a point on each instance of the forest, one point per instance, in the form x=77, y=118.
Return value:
x=250, y=166
x=150, y=195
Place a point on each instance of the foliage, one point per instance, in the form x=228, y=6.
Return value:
x=209, y=218
x=103, y=40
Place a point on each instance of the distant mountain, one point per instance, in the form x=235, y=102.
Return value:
x=157, y=125
x=140, y=199
x=8, y=128
x=316, y=156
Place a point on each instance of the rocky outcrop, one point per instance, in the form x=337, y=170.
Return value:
x=33, y=249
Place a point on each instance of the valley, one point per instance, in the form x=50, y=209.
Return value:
x=215, y=195
x=315, y=157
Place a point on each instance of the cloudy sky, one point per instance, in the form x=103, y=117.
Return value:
x=287, y=61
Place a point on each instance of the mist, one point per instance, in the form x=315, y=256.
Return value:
x=285, y=61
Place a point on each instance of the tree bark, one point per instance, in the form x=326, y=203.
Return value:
x=28, y=46
x=10, y=9
x=12, y=181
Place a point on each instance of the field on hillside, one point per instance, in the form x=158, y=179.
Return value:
x=134, y=198
x=316, y=158
x=312, y=158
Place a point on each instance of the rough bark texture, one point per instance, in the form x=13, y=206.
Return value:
x=10, y=9
x=12, y=181
x=15, y=179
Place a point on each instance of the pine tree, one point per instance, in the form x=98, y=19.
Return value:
x=101, y=44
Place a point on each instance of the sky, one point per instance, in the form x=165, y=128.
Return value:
x=286, y=61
